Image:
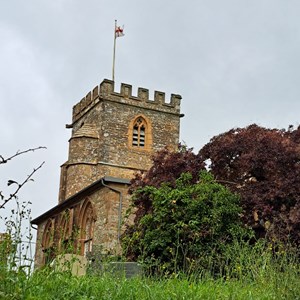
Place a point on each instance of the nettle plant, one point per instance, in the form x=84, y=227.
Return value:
x=186, y=227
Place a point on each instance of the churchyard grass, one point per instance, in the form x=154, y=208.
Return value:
x=254, y=273
x=44, y=285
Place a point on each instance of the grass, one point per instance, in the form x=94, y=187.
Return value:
x=54, y=285
x=249, y=272
x=267, y=283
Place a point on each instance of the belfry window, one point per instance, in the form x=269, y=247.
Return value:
x=139, y=133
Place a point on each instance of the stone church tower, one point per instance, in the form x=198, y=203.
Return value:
x=113, y=136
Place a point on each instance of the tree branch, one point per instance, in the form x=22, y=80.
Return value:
x=5, y=160
x=225, y=181
x=20, y=185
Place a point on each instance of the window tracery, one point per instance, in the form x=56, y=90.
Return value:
x=65, y=231
x=140, y=133
x=139, y=128
x=48, y=241
x=87, y=222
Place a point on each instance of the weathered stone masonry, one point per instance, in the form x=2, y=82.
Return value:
x=113, y=136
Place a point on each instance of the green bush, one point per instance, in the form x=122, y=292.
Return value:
x=186, y=227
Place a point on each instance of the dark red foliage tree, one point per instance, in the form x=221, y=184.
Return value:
x=263, y=166
x=167, y=167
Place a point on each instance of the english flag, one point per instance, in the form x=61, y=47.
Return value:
x=119, y=31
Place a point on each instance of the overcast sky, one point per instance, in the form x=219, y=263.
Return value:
x=235, y=62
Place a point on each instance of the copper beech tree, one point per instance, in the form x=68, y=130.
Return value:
x=166, y=168
x=261, y=165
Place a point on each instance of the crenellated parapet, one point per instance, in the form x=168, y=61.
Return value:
x=106, y=91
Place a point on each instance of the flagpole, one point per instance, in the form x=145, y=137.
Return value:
x=114, y=54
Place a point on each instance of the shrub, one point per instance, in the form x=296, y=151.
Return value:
x=186, y=226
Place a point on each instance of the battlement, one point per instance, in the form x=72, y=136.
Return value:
x=106, y=91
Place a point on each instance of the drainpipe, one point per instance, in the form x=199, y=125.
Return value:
x=35, y=228
x=120, y=207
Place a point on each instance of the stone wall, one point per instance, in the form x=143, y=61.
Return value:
x=107, y=204
x=107, y=229
x=106, y=90
x=101, y=141
x=39, y=254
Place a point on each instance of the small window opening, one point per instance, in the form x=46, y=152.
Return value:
x=139, y=135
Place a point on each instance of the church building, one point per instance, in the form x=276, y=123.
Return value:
x=114, y=135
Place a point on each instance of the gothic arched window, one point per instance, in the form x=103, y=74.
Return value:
x=87, y=221
x=140, y=133
x=65, y=231
x=48, y=242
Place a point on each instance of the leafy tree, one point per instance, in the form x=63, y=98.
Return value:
x=166, y=168
x=188, y=224
x=263, y=167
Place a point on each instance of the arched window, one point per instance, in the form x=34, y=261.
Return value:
x=140, y=133
x=65, y=231
x=48, y=242
x=87, y=221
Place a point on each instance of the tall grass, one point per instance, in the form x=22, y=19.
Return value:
x=248, y=272
x=54, y=285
